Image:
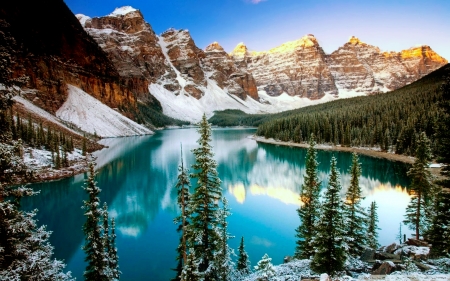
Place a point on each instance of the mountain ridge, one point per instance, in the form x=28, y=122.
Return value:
x=259, y=81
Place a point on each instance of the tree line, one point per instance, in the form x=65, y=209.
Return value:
x=331, y=228
x=25, y=250
x=391, y=121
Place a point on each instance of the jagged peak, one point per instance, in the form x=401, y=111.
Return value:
x=355, y=40
x=122, y=11
x=82, y=19
x=214, y=46
x=240, y=50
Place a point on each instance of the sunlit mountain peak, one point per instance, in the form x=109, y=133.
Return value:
x=355, y=40
x=214, y=46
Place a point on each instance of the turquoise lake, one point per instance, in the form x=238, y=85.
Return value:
x=261, y=182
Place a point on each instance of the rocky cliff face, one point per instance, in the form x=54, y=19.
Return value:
x=171, y=60
x=47, y=50
x=131, y=45
x=297, y=68
x=360, y=67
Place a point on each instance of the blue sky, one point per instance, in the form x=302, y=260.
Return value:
x=264, y=24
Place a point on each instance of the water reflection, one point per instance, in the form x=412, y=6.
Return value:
x=261, y=181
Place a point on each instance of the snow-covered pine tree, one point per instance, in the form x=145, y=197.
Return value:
x=372, y=226
x=355, y=215
x=399, y=234
x=25, y=251
x=265, y=267
x=205, y=202
x=183, y=184
x=439, y=233
x=223, y=262
x=94, y=243
x=330, y=241
x=190, y=269
x=421, y=189
x=309, y=210
x=113, y=256
x=243, y=262
x=106, y=242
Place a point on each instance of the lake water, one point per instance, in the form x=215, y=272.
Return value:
x=261, y=181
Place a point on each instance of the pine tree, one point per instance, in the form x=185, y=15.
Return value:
x=421, y=189
x=94, y=244
x=399, y=234
x=439, y=233
x=114, y=257
x=84, y=148
x=106, y=242
x=355, y=215
x=372, y=229
x=58, y=155
x=224, y=266
x=265, y=267
x=26, y=253
x=183, y=184
x=243, y=263
x=330, y=241
x=309, y=210
x=190, y=270
x=205, y=202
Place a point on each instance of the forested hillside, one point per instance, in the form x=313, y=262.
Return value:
x=391, y=120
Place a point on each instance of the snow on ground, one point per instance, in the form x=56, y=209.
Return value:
x=40, y=112
x=40, y=162
x=92, y=116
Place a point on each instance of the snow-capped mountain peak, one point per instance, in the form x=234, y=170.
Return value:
x=122, y=11
x=82, y=19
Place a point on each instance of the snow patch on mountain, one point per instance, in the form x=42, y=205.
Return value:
x=30, y=107
x=185, y=107
x=82, y=19
x=92, y=116
x=122, y=11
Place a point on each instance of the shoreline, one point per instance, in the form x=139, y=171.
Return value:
x=359, y=150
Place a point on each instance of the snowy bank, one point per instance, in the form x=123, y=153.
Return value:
x=94, y=117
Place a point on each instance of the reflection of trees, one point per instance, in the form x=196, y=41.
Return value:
x=271, y=166
x=139, y=173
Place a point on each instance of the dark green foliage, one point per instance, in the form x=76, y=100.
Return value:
x=235, y=117
x=443, y=132
x=439, y=233
x=94, y=244
x=372, y=227
x=205, y=201
x=389, y=120
x=421, y=189
x=151, y=114
x=113, y=256
x=84, y=148
x=330, y=241
x=183, y=184
x=243, y=263
x=355, y=215
x=309, y=210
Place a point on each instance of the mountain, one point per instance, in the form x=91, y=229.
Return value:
x=46, y=54
x=189, y=81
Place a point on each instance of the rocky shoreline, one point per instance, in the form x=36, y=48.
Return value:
x=373, y=152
